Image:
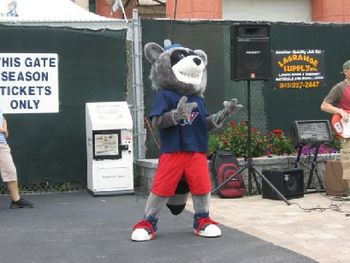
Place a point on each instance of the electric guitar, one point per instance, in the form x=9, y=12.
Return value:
x=340, y=126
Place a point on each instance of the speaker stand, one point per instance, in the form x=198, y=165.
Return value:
x=252, y=171
x=312, y=170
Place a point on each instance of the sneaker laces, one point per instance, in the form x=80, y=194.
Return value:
x=145, y=224
x=203, y=222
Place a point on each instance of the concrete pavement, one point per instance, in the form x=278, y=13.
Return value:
x=316, y=225
x=76, y=227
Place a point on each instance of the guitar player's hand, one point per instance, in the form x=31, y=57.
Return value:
x=344, y=115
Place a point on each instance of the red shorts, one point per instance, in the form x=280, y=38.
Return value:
x=172, y=166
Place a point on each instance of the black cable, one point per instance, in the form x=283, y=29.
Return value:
x=332, y=206
x=159, y=2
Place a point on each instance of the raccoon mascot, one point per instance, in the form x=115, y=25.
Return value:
x=179, y=76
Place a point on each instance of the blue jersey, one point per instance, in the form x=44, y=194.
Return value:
x=190, y=135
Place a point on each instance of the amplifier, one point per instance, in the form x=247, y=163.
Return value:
x=289, y=182
x=310, y=132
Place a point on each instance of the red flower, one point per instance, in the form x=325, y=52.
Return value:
x=277, y=131
x=233, y=124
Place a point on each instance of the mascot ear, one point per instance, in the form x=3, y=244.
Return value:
x=152, y=51
x=202, y=55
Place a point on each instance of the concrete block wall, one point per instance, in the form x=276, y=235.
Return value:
x=147, y=167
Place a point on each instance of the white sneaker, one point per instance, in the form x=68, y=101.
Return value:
x=206, y=227
x=143, y=231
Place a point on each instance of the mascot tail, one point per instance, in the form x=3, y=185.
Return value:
x=177, y=202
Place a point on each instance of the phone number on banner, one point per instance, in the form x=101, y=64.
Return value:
x=299, y=85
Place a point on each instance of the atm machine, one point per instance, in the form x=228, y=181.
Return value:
x=109, y=145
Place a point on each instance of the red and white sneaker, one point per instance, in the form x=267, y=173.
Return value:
x=206, y=227
x=143, y=231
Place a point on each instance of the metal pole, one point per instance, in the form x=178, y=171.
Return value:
x=139, y=129
x=251, y=170
x=249, y=141
x=120, y=3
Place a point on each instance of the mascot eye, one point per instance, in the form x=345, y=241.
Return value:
x=177, y=55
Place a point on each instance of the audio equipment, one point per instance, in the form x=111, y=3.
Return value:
x=290, y=182
x=250, y=52
x=311, y=132
x=335, y=185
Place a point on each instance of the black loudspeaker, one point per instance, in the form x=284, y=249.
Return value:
x=250, y=52
x=289, y=182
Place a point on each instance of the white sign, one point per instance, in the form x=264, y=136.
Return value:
x=29, y=83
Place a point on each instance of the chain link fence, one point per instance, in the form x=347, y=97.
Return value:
x=49, y=149
x=61, y=166
x=46, y=187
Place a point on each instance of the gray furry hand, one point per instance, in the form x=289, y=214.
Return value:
x=229, y=108
x=184, y=109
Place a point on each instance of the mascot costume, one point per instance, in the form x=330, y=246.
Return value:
x=179, y=76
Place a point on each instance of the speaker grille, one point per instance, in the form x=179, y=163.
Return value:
x=250, y=52
x=289, y=182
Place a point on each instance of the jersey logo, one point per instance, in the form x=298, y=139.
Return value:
x=190, y=119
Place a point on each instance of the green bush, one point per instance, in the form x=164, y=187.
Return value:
x=234, y=137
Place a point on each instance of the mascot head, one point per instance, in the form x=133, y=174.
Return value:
x=177, y=68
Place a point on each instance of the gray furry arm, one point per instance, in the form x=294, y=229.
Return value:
x=173, y=117
x=212, y=124
x=164, y=121
x=168, y=120
x=216, y=120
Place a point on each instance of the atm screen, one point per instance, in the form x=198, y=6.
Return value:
x=106, y=144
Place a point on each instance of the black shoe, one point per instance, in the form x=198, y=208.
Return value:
x=21, y=203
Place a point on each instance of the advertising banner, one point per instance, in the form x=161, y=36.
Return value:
x=298, y=69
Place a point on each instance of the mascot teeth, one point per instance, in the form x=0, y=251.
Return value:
x=189, y=72
x=190, y=75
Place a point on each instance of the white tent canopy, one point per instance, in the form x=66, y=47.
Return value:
x=55, y=13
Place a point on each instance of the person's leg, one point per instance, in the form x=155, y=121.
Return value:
x=203, y=225
x=9, y=176
x=154, y=204
x=17, y=200
x=14, y=192
x=199, y=181
x=201, y=203
x=348, y=190
x=168, y=175
x=146, y=229
x=8, y=171
x=345, y=162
